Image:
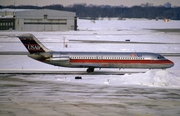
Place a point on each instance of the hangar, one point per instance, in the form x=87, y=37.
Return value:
x=43, y=20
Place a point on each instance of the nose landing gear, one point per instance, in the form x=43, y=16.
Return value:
x=90, y=69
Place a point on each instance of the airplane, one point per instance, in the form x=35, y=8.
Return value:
x=92, y=60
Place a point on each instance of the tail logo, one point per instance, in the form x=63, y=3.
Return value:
x=32, y=44
x=33, y=47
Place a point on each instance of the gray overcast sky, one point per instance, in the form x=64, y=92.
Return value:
x=95, y=2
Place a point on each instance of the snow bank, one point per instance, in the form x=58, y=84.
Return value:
x=152, y=78
x=155, y=78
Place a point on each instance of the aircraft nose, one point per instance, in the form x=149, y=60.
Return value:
x=171, y=64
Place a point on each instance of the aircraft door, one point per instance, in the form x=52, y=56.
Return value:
x=152, y=61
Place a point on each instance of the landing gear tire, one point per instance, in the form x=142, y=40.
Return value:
x=89, y=70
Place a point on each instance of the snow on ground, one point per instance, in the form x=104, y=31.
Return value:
x=152, y=78
x=107, y=30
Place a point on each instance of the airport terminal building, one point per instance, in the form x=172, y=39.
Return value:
x=41, y=20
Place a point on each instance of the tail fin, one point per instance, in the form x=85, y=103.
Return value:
x=32, y=44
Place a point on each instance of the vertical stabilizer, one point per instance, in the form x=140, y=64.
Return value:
x=32, y=44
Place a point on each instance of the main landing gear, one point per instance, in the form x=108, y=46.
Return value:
x=90, y=69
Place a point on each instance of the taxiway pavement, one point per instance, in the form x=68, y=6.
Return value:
x=26, y=95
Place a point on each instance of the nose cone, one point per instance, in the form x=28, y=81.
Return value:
x=170, y=64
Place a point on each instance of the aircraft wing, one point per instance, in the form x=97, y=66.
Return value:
x=94, y=65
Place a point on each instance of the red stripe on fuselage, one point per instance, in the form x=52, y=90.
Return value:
x=120, y=61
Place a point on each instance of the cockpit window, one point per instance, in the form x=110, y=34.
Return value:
x=160, y=57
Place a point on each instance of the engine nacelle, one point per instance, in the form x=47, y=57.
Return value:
x=59, y=60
